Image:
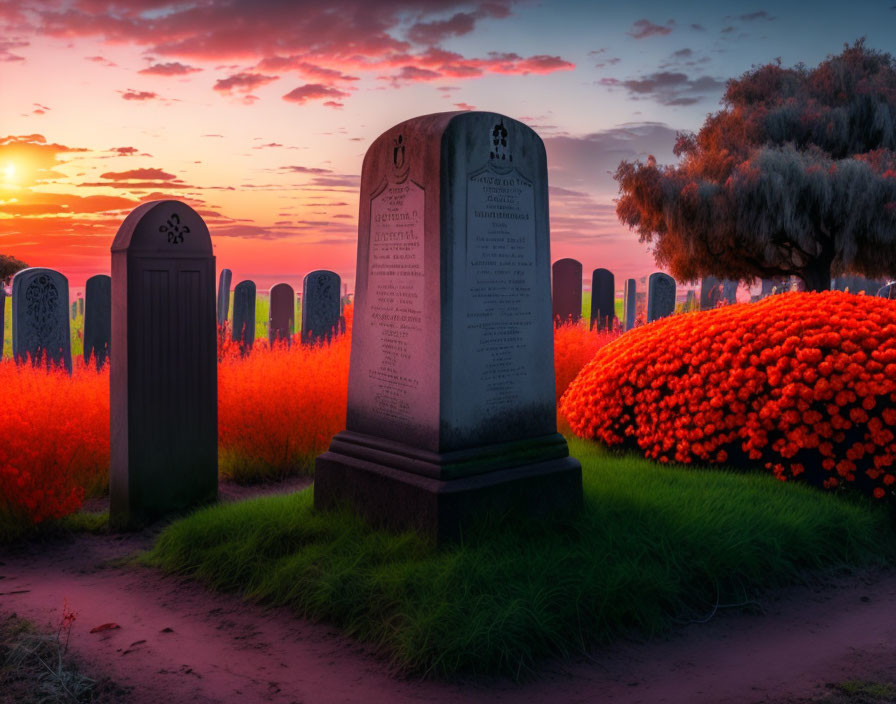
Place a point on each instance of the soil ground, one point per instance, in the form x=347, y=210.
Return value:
x=174, y=641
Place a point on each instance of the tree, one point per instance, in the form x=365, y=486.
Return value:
x=9, y=266
x=794, y=176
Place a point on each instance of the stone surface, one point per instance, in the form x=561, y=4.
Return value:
x=691, y=302
x=40, y=324
x=603, y=300
x=2, y=317
x=729, y=291
x=710, y=292
x=629, y=304
x=451, y=408
x=281, y=323
x=321, y=306
x=80, y=306
x=244, y=315
x=223, y=300
x=660, y=296
x=98, y=319
x=163, y=386
x=566, y=291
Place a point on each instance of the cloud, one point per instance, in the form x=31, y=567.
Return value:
x=464, y=106
x=6, y=47
x=304, y=170
x=669, y=87
x=131, y=94
x=125, y=151
x=438, y=63
x=760, y=15
x=101, y=60
x=38, y=204
x=243, y=82
x=154, y=174
x=645, y=28
x=303, y=67
x=313, y=91
x=39, y=109
x=171, y=68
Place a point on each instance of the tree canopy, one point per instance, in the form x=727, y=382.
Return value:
x=9, y=266
x=794, y=176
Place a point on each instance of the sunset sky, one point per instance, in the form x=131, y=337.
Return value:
x=258, y=112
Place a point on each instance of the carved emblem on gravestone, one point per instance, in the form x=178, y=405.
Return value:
x=499, y=148
x=175, y=229
x=41, y=302
x=398, y=153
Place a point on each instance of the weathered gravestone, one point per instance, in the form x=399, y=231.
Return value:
x=80, y=306
x=630, y=304
x=244, y=315
x=729, y=291
x=566, y=291
x=74, y=310
x=163, y=387
x=98, y=319
x=710, y=292
x=320, y=306
x=451, y=408
x=281, y=323
x=2, y=317
x=223, y=305
x=660, y=296
x=691, y=301
x=603, y=299
x=40, y=324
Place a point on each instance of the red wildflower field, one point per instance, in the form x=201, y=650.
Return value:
x=574, y=347
x=803, y=384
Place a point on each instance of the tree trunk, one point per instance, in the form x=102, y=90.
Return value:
x=817, y=275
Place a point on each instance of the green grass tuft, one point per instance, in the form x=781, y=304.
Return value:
x=652, y=547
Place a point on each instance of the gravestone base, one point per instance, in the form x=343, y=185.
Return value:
x=440, y=495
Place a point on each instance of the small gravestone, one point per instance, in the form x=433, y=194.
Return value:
x=320, y=306
x=710, y=292
x=451, y=408
x=768, y=287
x=98, y=319
x=163, y=385
x=281, y=324
x=691, y=302
x=660, y=296
x=80, y=306
x=74, y=310
x=729, y=291
x=603, y=300
x=40, y=324
x=629, y=303
x=566, y=291
x=223, y=304
x=244, y=315
x=2, y=317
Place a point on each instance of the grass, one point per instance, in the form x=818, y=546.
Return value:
x=14, y=528
x=653, y=547
x=619, y=305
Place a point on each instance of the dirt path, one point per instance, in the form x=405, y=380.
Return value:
x=178, y=642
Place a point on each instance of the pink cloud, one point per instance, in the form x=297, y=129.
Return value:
x=131, y=94
x=313, y=91
x=243, y=82
x=145, y=174
x=171, y=68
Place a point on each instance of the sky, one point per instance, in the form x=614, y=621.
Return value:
x=258, y=112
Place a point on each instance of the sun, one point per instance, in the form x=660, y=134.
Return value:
x=9, y=172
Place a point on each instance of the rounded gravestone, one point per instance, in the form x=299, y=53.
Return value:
x=281, y=324
x=244, y=315
x=98, y=319
x=630, y=303
x=163, y=385
x=566, y=291
x=321, y=305
x=223, y=302
x=603, y=299
x=660, y=296
x=40, y=324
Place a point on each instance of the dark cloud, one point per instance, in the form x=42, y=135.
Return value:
x=171, y=68
x=698, y=27
x=131, y=94
x=644, y=28
x=125, y=151
x=759, y=15
x=683, y=54
x=669, y=87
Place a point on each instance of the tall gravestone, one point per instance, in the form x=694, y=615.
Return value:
x=281, y=324
x=321, y=306
x=98, y=319
x=223, y=302
x=243, y=331
x=80, y=306
x=603, y=300
x=40, y=324
x=451, y=408
x=163, y=386
x=710, y=292
x=566, y=291
x=660, y=296
x=2, y=318
x=630, y=304
x=74, y=310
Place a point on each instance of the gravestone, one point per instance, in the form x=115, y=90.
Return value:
x=451, y=408
x=163, y=386
x=710, y=292
x=40, y=324
x=321, y=306
x=80, y=306
x=888, y=290
x=768, y=287
x=729, y=291
x=281, y=324
x=691, y=302
x=98, y=319
x=223, y=304
x=566, y=291
x=243, y=331
x=629, y=303
x=74, y=310
x=660, y=296
x=603, y=300
x=2, y=317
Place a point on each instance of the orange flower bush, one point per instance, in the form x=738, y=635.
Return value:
x=54, y=439
x=803, y=384
x=279, y=408
x=574, y=347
